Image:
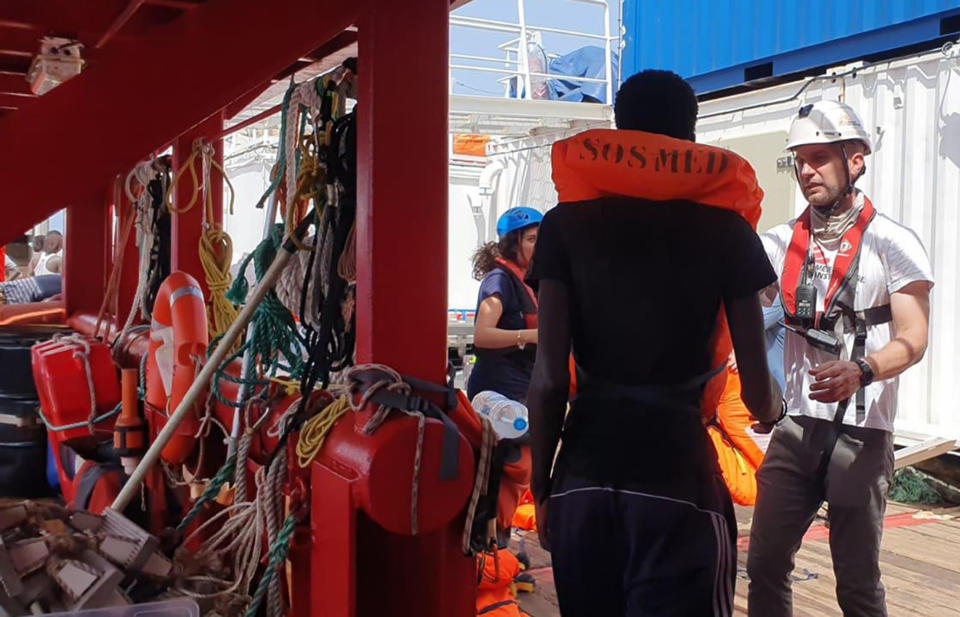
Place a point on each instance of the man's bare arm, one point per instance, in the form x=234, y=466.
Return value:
x=760, y=393
x=549, y=386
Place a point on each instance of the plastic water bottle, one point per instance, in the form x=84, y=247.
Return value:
x=509, y=417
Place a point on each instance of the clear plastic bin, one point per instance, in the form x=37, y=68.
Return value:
x=181, y=607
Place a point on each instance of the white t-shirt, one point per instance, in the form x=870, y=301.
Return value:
x=41, y=267
x=891, y=257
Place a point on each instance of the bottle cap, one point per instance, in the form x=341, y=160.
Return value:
x=520, y=424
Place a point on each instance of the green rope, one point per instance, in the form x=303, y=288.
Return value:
x=66, y=427
x=275, y=344
x=142, y=382
x=278, y=554
x=281, y=153
x=212, y=490
x=910, y=486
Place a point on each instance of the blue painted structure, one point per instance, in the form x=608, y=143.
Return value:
x=720, y=44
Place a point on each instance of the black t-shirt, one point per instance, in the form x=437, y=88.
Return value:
x=646, y=280
x=506, y=371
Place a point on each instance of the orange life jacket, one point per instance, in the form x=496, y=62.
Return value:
x=738, y=455
x=796, y=258
x=527, y=297
x=495, y=594
x=526, y=515
x=515, y=478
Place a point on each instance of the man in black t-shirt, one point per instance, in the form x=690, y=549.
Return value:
x=636, y=514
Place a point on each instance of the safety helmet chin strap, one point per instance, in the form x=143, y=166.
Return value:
x=829, y=210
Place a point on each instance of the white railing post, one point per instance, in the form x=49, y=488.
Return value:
x=606, y=53
x=524, y=56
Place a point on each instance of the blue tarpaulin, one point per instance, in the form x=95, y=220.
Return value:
x=583, y=62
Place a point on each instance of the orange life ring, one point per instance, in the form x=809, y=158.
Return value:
x=178, y=344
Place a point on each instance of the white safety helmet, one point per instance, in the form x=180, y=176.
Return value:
x=827, y=122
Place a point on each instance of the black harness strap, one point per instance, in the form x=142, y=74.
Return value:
x=364, y=379
x=495, y=606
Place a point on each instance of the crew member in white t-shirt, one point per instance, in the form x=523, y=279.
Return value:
x=51, y=261
x=855, y=289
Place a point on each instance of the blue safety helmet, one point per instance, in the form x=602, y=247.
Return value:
x=517, y=218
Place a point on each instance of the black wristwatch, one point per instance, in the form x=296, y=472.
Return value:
x=866, y=372
x=783, y=414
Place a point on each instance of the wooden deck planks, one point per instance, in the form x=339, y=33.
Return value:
x=920, y=564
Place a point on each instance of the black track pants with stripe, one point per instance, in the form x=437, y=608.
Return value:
x=621, y=551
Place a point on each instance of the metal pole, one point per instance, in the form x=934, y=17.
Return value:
x=524, y=56
x=202, y=380
x=243, y=390
x=606, y=51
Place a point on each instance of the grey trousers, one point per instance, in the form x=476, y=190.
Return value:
x=789, y=493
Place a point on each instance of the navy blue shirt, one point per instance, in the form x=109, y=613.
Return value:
x=506, y=371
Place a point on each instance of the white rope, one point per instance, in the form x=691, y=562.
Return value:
x=273, y=503
x=394, y=382
x=482, y=479
x=239, y=542
x=84, y=355
x=305, y=94
x=290, y=284
x=144, y=172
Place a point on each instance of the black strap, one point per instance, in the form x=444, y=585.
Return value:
x=873, y=316
x=671, y=396
x=88, y=481
x=495, y=606
x=858, y=318
x=364, y=379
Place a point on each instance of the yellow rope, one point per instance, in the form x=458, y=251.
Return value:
x=310, y=177
x=216, y=254
x=315, y=430
x=215, y=246
x=189, y=165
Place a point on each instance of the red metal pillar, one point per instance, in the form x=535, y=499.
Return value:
x=186, y=228
x=402, y=188
x=130, y=274
x=86, y=245
x=402, y=276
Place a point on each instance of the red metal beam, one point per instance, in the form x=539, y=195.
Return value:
x=14, y=64
x=186, y=228
x=132, y=7
x=337, y=43
x=14, y=83
x=16, y=53
x=251, y=120
x=186, y=5
x=61, y=16
x=389, y=210
x=401, y=319
x=203, y=61
x=84, y=260
x=17, y=101
x=25, y=40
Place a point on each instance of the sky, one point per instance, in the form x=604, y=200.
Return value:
x=565, y=14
